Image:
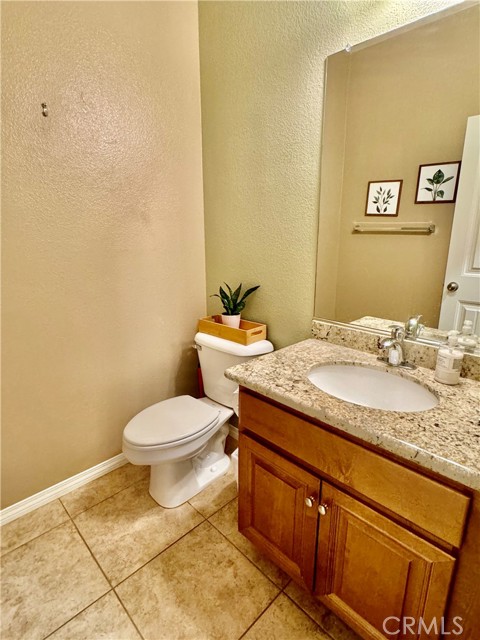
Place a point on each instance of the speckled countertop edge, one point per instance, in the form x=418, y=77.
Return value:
x=445, y=439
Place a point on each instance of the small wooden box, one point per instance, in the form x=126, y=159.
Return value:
x=248, y=333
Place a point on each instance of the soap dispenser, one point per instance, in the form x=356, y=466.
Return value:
x=449, y=361
x=466, y=338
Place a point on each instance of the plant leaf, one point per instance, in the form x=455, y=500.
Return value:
x=438, y=177
x=378, y=209
x=430, y=181
x=227, y=305
x=236, y=293
x=447, y=179
x=427, y=189
x=223, y=293
x=440, y=193
x=247, y=293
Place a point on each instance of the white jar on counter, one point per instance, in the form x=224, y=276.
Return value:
x=449, y=361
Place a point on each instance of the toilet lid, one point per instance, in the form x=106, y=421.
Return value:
x=169, y=421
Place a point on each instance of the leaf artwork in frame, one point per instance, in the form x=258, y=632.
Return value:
x=437, y=183
x=383, y=198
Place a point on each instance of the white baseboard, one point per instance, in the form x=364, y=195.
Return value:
x=233, y=431
x=57, y=490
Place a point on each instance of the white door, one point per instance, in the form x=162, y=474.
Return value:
x=461, y=290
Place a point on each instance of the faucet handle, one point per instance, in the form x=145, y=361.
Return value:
x=413, y=326
x=397, y=332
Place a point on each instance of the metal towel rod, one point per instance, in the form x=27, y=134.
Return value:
x=394, y=227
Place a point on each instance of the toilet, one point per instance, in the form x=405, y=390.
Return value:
x=182, y=438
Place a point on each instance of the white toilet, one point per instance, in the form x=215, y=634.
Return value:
x=183, y=439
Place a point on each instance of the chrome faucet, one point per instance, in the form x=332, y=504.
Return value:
x=394, y=348
x=413, y=327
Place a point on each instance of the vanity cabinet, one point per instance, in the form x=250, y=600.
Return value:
x=367, y=539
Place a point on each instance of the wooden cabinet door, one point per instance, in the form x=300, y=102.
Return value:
x=273, y=513
x=370, y=569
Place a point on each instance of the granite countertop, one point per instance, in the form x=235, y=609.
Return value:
x=445, y=439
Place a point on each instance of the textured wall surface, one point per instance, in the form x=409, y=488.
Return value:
x=103, y=236
x=262, y=74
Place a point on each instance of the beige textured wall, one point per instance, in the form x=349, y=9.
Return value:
x=408, y=102
x=262, y=74
x=103, y=236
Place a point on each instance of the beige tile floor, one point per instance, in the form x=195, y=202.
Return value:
x=107, y=562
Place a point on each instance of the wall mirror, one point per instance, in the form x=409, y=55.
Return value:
x=392, y=105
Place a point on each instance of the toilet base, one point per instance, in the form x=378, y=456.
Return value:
x=173, y=483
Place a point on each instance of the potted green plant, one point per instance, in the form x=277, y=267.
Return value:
x=232, y=303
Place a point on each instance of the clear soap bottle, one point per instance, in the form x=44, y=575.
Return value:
x=449, y=361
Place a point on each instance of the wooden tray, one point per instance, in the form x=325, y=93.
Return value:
x=248, y=333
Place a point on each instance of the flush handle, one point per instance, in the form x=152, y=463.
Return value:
x=452, y=286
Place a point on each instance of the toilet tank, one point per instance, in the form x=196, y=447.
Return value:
x=216, y=355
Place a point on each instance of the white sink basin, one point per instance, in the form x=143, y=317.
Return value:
x=372, y=388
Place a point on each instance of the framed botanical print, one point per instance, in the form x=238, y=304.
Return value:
x=437, y=183
x=383, y=198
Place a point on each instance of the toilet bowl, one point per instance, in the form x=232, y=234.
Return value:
x=182, y=438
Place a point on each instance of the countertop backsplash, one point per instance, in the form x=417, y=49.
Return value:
x=363, y=339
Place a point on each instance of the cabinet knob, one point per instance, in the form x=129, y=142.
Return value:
x=310, y=501
x=322, y=509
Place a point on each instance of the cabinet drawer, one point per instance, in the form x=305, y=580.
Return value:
x=439, y=510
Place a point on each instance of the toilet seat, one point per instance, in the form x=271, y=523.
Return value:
x=170, y=423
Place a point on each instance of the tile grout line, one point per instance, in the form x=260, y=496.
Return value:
x=128, y=614
x=216, y=510
x=65, y=508
x=6, y=553
x=159, y=553
x=307, y=614
x=86, y=543
x=260, y=615
x=247, y=558
x=100, y=501
x=92, y=554
x=112, y=588
x=204, y=519
x=70, y=517
x=77, y=614
x=197, y=511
